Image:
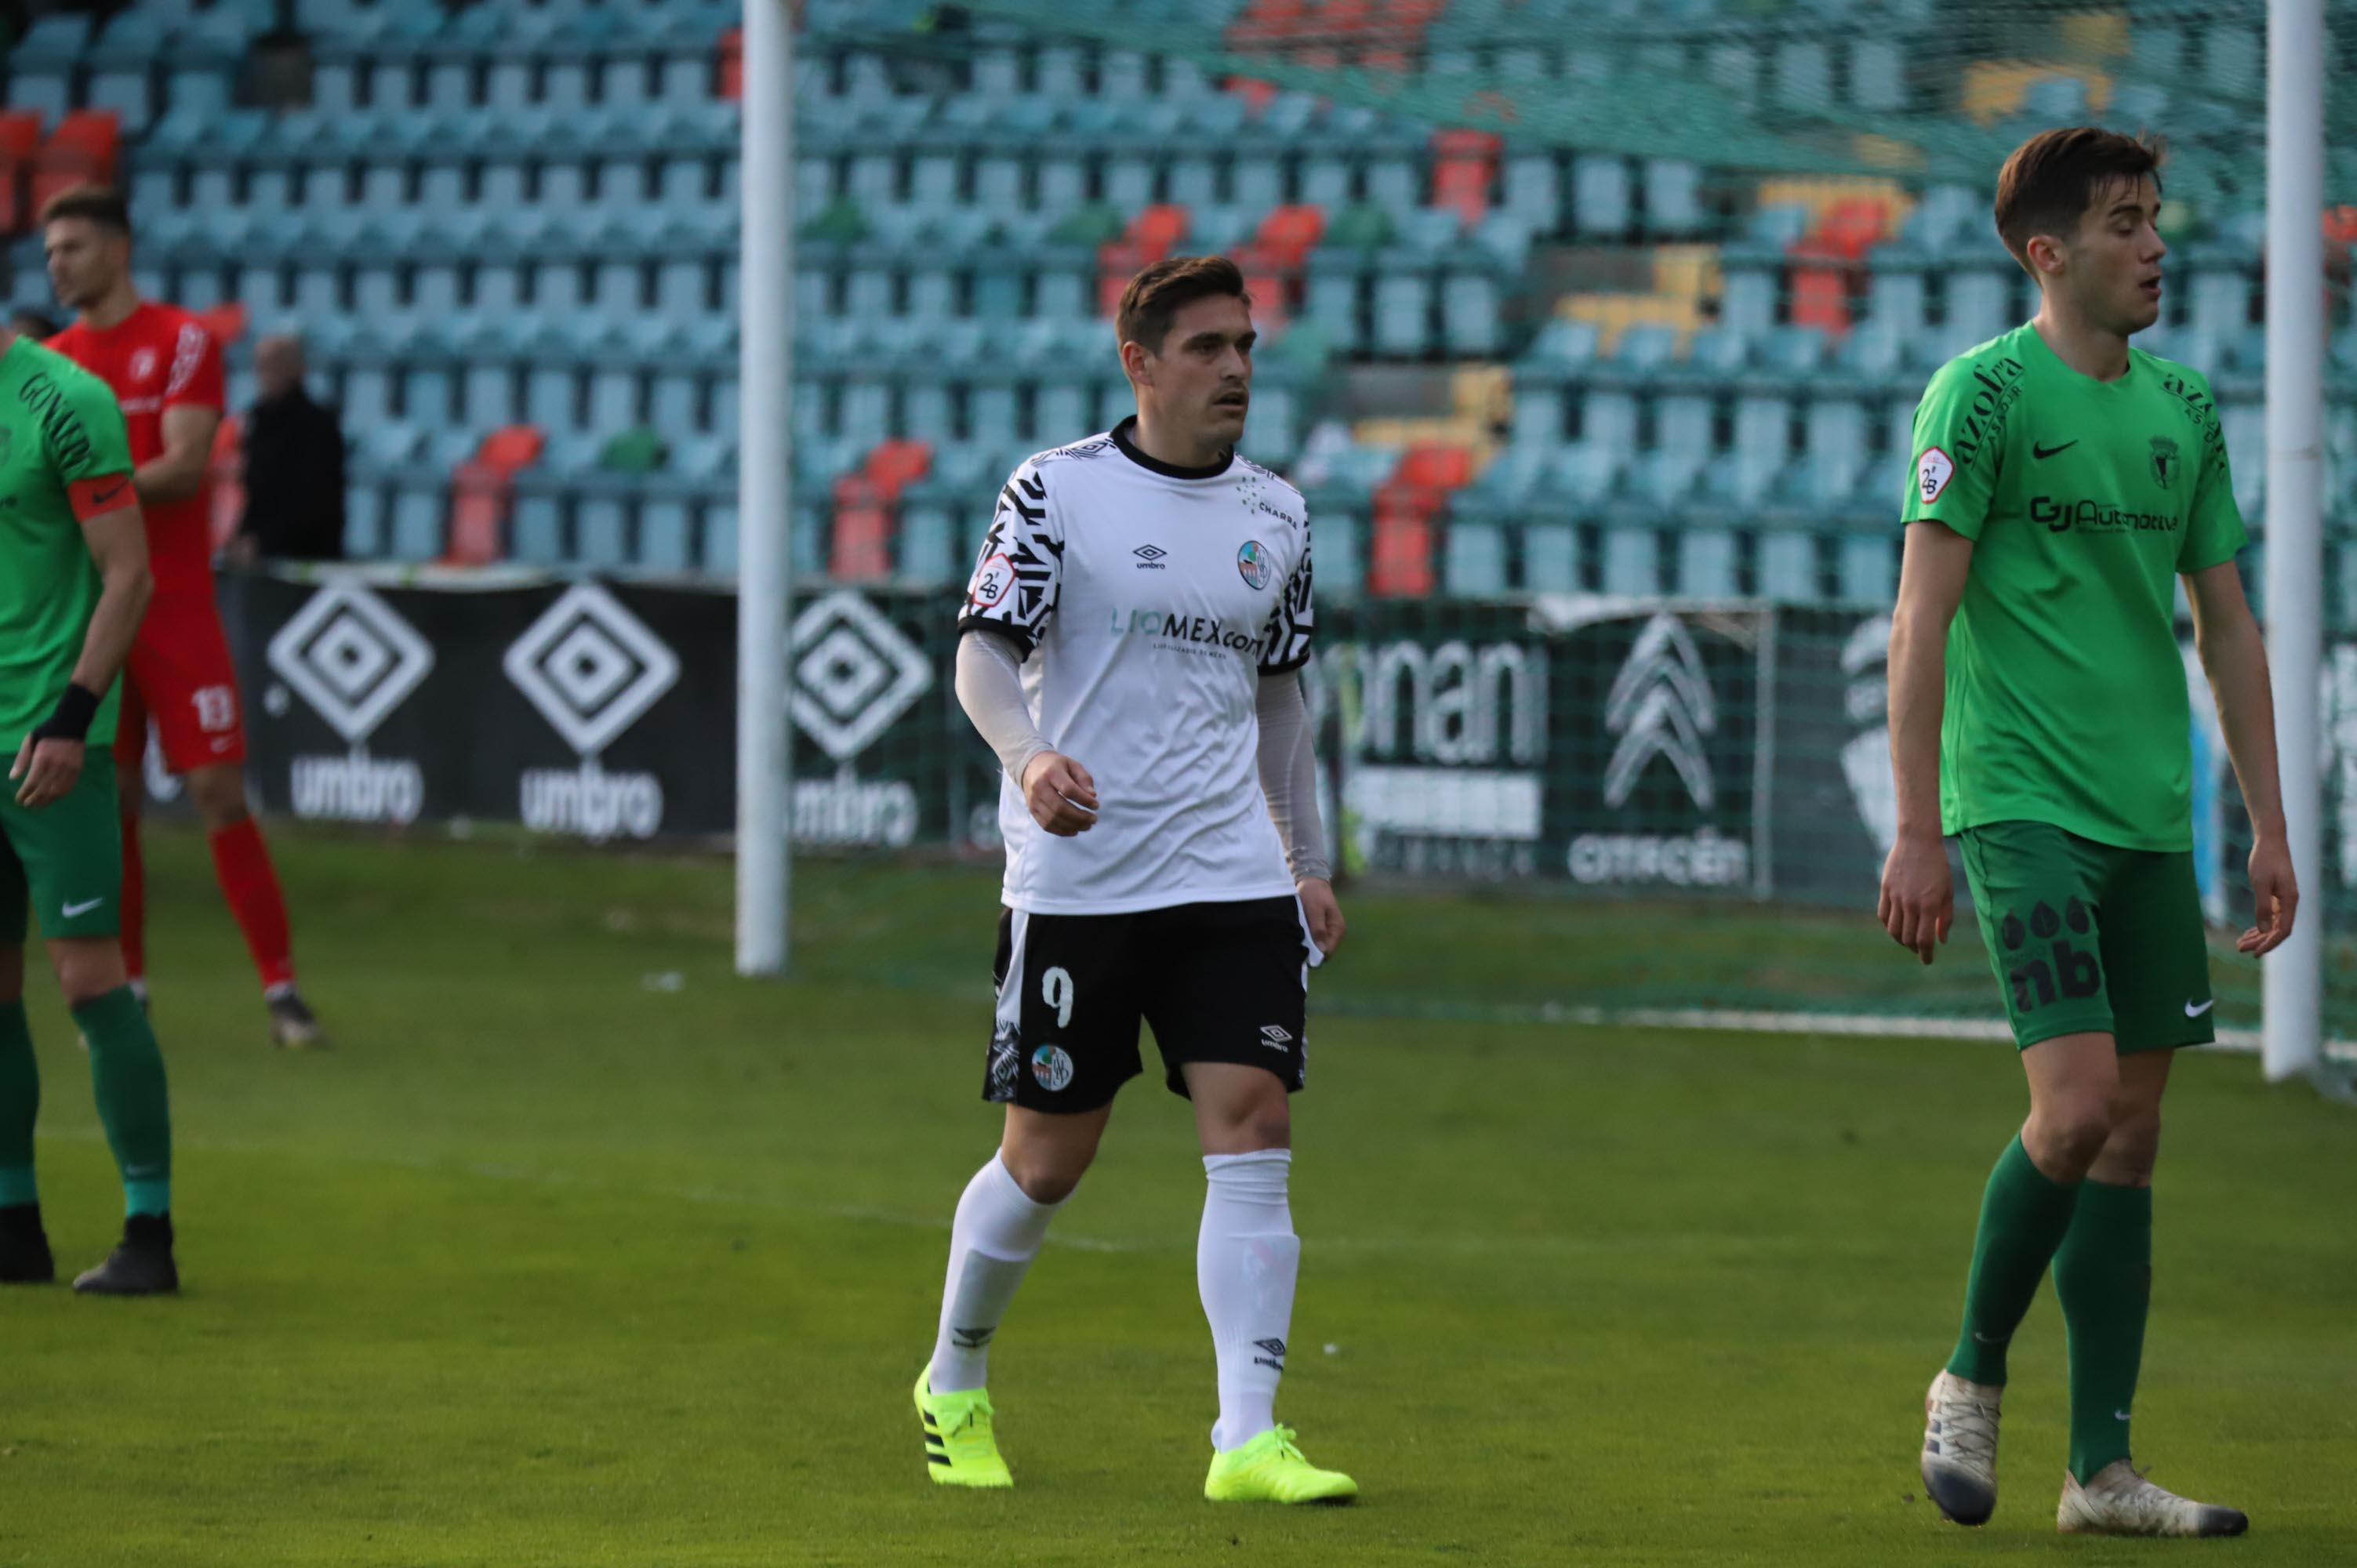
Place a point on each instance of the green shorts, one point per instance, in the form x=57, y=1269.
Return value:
x=66, y=857
x=2087, y=937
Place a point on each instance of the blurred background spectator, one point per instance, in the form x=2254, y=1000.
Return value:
x=293, y=465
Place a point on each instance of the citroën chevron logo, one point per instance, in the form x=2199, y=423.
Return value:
x=1661, y=706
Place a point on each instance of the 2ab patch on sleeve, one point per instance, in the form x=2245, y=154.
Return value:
x=1934, y=469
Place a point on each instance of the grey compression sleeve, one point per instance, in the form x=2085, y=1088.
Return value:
x=990, y=689
x=1289, y=775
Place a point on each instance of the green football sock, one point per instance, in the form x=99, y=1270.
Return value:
x=2102, y=1276
x=20, y=1103
x=2024, y=1216
x=127, y=1071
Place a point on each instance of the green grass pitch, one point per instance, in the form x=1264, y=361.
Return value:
x=578, y=1250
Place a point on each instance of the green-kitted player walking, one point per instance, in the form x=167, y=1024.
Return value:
x=73, y=581
x=2062, y=485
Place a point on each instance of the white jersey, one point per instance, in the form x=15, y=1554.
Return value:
x=1148, y=600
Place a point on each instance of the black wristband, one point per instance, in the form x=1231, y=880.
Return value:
x=71, y=721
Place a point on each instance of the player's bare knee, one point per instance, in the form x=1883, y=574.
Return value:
x=219, y=796
x=1047, y=1173
x=2133, y=1148
x=1245, y=1123
x=87, y=970
x=2065, y=1134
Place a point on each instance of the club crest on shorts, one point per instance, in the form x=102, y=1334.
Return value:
x=1254, y=562
x=1052, y=1067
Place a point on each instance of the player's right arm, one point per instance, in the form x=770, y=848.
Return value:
x=1957, y=445
x=1009, y=602
x=1917, y=903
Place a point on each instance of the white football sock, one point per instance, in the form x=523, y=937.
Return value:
x=1246, y=1260
x=997, y=1235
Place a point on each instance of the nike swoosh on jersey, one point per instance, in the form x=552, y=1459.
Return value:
x=2193, y=1012
x=102, y=501
x=2037, y=451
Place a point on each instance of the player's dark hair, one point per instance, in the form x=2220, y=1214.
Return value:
x=1156, y=296
x=100, y=204
x=2051, y=179
x=32, y=324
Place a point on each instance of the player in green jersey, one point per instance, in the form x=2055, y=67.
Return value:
x=73, y=583
x=2061, y=485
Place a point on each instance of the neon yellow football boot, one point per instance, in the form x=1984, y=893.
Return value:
x=1270, y=1469
x=959, y=1448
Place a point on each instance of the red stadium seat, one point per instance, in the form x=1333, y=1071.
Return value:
x=1400, y=563
x=1265, y=22
x=1257, y=94
x=512, y=447
x=226, y=322
x=1464, y=165
x=731, y=83
x=481, y=490
x=894, y=466
x=1436, y=467
x=863, y=532
x=1152, y=235
x=82, y=150
x=1820, y=288
x=1290, y=233
x=20, y=138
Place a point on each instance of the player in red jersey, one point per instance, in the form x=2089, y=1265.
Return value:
x=165, y=371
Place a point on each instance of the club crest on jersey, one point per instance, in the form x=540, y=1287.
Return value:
x=142, y=364
x=2164, y=462
x=991, y=582
x=1254, y=562
x=1052, y=1067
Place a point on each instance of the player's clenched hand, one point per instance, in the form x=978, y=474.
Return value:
x=2274, y=897
x=1324, y=915
x=49, y=767
x=1061, y=795
x=1918, y=899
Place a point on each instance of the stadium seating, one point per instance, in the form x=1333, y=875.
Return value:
x=521, y=215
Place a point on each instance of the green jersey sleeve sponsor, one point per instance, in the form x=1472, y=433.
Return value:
x=1959, y=444
x=2213, y=528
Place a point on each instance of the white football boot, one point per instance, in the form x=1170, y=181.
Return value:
x=2119, y=1501
x=1960, y=1447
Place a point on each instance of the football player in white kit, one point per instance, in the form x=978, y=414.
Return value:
x=1131, y=648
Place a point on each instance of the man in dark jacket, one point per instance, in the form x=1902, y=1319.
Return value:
x=293, y=465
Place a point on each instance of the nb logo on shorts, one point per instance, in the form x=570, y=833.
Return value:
x=2033, y=978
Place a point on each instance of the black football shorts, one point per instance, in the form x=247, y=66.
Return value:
x=1219, y=983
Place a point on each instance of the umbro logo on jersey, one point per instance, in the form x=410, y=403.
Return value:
x=2042, y=453
x=1150, y=558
